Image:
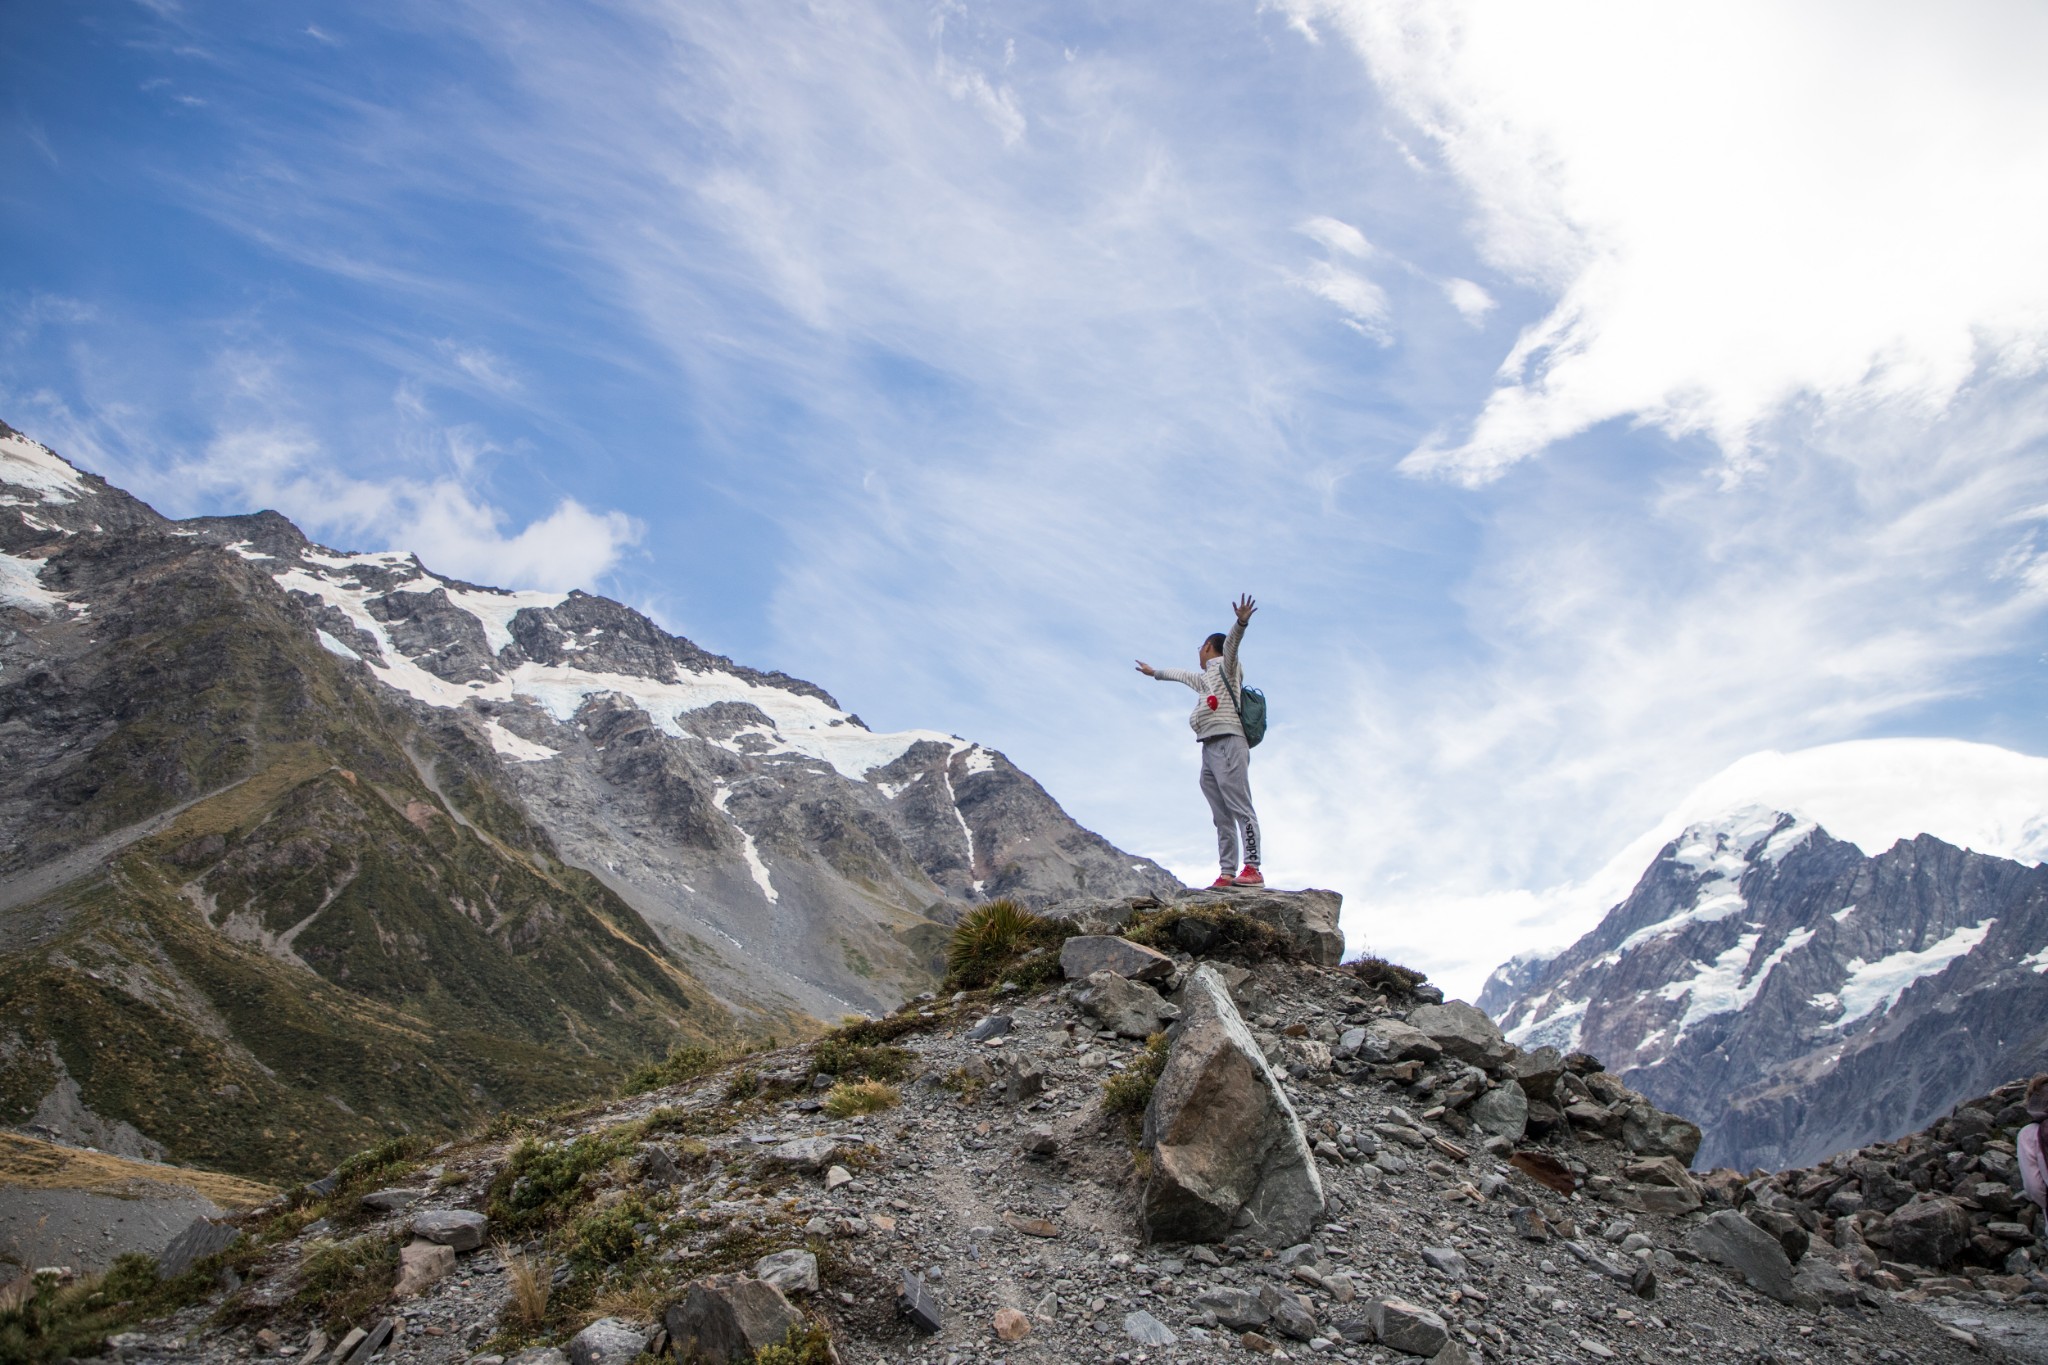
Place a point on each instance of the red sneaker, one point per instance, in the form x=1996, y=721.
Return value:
x=1250, y=877
x=1225, y=880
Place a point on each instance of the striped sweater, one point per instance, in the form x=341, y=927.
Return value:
x=1215, y=713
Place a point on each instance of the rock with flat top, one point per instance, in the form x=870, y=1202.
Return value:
x=793, y=1272
x=1729, y=1239
x=1462, y=1031
x=459, y=1229
x=1307, y=919
x=1407, y=1327
x=420, y=1265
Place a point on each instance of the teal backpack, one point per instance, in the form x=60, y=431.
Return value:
x=1251, y=712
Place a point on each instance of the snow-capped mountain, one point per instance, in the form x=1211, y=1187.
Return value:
x=1797, y=996
x=517, y=839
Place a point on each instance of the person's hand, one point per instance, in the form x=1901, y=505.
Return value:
x=1244, y=607
x=1147, y=669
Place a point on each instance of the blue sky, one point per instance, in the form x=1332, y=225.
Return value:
x=1591, y=395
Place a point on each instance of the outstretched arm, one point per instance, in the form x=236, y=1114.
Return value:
x=1179, y=675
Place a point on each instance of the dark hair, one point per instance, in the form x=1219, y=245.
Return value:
x=1215, y=642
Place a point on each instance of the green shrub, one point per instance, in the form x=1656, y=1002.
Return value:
x=684, y=1063
x=1003, y=941
x=543, y=1182
x=608, y=1234
x=744, y=1085
x=1126, y=1094
x=805, y=1344
x=341, y=1282
x=850, y=1061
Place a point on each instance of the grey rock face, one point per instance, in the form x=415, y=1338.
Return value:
x=805, y=1154
x=727, y=1319
x=1651, y=1131
x=1390, y=1040
x=1086, y=954
x=607, y=1341
x=1125, y=1007
x=1223, y=1137
x=390, y=1201
x=457, y=1228
x=1815, y=1052
x=1727, y=1238
x=203, y=1239
x=1238, y=1309
x=1147, y=1330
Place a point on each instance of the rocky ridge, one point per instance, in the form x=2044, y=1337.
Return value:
x=1028, y=1183
x=1799, y=997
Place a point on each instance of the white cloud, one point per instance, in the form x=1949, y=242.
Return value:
x=1472, y=302
x=1738, y=206
x=1338, y=235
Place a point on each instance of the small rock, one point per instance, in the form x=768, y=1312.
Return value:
x=374, y=1340
x=1252, y=1341
x=1011, y=1325
x=1040, y=1142
x=1502, y=1112
x=1147, y=1330
x=1407, y=1328
x=607, y=1342
x=1463, y=1031
x=420, y=1265
x=1288, y=1313
x=793, y=1272
x=1031, y=1227
x=837, y=1176
x=537, y=1355
x=920, y=1305
x=995, y=1026
x=391, y=1201
x=1234, y=1308
x=459, y=1229
x=1126, y=1008
x=804, y=1154
x=1529, y=1224
x=268, y=1341
x=1449, y=1261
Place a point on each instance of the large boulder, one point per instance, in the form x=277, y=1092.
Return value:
x=1727, y=1238
x=422, y=1265
x=1462, y=1031
x=1930, y=1231
x=727, y=1318
x=202, y=1239
x=1390, y=1040
x=460, y=1229
x=1650, y=1131
x=1084, y=955
x=1538, y=1071
x=1123, y=1006
x=1308, y=919
x=1226, y=1148
x=1502, y=1112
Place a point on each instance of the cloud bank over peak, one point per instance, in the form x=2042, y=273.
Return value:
x=1735, y=207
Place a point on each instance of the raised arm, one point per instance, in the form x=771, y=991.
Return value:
x=1179, y=675
x=1244, y=607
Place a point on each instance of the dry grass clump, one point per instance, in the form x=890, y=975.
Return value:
x=1126, y=1094
x=860, y=1097
x=1208, y=930
x=532, y=1279
x=1383, y=975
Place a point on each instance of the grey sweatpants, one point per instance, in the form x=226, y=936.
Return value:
x=1227, y=782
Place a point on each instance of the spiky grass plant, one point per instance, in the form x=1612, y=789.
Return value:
x=532, y=1279
x=992, y=942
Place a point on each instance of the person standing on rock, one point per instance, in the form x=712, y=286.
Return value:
x=1226, y=756
x=2033, y=1143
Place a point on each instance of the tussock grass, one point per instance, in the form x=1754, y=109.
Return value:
x=860, y=1097
x=808, y=1344
x=684, y=1063
x=1003, y=941
x=851, y=1061
x=1383, y=975
x=531, y=1277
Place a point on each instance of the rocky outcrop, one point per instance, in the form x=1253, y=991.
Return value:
x=1129, y=1009
x=1308, y=920
x=1227, y=1151
x=1794, y=995
x=726, y=1319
